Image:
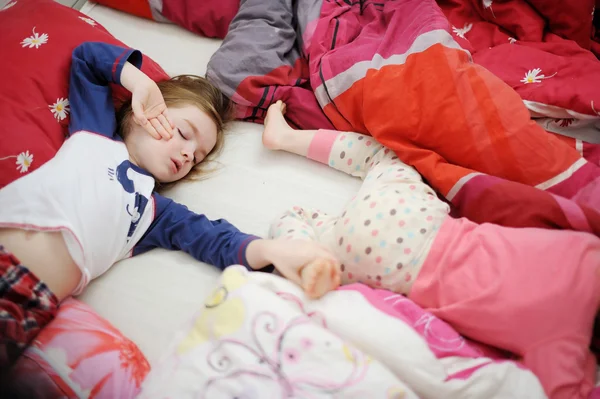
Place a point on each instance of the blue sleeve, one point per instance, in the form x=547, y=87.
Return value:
x=94, y=66
x=176, y=227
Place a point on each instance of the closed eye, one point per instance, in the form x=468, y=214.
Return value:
x=185, y=138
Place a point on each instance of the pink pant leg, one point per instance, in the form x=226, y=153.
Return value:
x=573, y=370
x=522, y=290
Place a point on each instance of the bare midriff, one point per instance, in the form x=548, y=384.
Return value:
x=46, y=255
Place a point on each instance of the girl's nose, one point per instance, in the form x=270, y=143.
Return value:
x=188, y=152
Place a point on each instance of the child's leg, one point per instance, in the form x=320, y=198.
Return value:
x=387, y=229
x=26, y=306
x=321, y=276
x=348, y=152
x=527, y=291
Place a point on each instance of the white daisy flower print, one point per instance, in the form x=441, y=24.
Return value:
x=512, y=40
x=461, y=32
x=534, y=76
x=60, y=109
x=9, y=5
x=23, y=162
x=36, y=40
x=88, y=20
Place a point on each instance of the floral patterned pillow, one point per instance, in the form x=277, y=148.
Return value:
x=77, y=355
x=37, y=38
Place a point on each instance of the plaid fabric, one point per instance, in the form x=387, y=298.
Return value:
x=26, y=306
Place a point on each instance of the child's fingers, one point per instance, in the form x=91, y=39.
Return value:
x=166, y=126
x=168, y=117
x=148, y=128
x=159, y=128
x=138, y=113
x=152, y=131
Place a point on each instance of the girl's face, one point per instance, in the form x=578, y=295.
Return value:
x=194, y=137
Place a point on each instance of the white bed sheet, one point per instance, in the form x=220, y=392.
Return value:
x=148, y=297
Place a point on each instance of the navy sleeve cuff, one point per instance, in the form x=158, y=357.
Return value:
x=242, y=260
x=133, y=56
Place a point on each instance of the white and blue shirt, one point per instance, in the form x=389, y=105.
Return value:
x=104, y=205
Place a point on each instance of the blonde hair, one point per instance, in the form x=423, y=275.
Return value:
x=192, y=90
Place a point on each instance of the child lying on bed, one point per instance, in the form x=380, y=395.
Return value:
x=94, y=203
x=532, y=292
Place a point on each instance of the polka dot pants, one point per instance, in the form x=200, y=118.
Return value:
x=385, y=232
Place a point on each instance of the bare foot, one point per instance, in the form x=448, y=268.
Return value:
x=276, y=128
x=319, y=277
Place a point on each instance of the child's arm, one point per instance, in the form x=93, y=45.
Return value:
x=96, y=65
x=306, y=263
x=220, y=243
x=176, y=227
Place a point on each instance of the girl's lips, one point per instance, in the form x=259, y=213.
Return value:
x=174, y=166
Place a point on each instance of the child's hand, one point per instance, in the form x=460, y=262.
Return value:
x=306, y=263
x=150, y=110
x=147, y=103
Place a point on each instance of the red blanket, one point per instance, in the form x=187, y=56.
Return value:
x=541, y=48
x=393, y=70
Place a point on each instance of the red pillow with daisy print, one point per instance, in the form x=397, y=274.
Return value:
x=37, y=38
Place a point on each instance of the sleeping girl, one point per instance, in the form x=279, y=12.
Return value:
x=95, y=203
